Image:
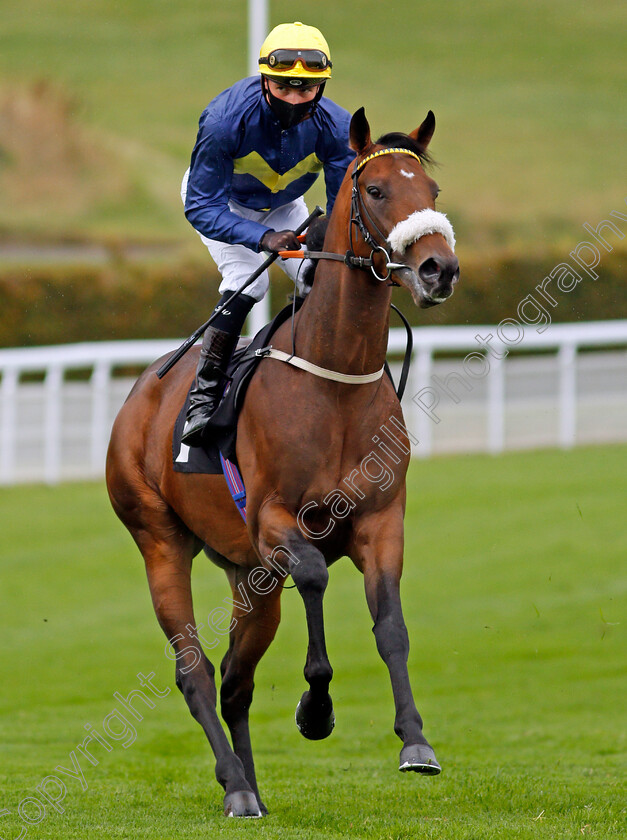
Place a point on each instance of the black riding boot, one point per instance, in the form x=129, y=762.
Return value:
x=217, y=348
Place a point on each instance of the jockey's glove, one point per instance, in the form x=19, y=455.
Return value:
x=282, y=240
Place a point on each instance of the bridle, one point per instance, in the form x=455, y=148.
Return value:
x=357, y=214
x=359, y=209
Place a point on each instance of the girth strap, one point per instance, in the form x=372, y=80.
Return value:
x=324, y=373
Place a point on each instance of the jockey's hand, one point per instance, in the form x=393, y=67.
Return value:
x=282, y=240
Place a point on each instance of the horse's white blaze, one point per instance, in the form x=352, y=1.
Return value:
x=419, y=224
x=409, y=175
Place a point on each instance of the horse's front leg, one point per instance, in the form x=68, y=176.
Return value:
x=281, y=540
x=379, y=554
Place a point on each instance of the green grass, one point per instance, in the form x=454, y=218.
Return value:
x=514, y=595
x=527, y=95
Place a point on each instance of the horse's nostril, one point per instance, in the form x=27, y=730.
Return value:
x=453, y=269
x=429, y=272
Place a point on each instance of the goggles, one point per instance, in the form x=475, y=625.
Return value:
x=282, y=59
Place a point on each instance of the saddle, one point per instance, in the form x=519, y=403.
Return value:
x=221, y=431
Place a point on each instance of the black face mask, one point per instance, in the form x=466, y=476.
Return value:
x=288, y=114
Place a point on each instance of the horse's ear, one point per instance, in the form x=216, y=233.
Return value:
x=424, y=133
x=359, y=133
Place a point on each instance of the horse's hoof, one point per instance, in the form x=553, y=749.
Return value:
x=242, y=803
x=314, y=728
x=419, y=758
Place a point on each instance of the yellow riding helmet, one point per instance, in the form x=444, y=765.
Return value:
x=295, y=51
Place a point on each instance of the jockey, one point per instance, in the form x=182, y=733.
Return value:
x=260, y=146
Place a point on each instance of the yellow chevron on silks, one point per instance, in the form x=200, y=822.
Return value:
x=253, y=164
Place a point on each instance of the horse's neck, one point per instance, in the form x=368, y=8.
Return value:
x=344, y=325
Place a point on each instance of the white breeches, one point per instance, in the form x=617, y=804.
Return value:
x=237, y=262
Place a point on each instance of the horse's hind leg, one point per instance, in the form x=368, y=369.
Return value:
x=256, y=616
x=168, y=548
x=281, y=537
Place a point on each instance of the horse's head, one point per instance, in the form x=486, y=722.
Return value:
x=396, y=200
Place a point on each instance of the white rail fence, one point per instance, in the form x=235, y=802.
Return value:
x=470, y=389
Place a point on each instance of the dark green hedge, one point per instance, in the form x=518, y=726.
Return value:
x=121, y=301
x=101, y=303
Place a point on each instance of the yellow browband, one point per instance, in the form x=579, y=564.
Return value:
x=386, y=152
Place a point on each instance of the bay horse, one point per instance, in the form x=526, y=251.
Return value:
x=318, y=489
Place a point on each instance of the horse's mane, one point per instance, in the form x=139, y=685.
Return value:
x=404, y=141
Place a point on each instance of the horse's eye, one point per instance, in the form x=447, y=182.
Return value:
x=375, y=192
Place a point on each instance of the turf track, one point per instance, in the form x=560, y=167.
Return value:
x=514, y=593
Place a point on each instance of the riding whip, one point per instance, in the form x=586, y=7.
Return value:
x=189, y=342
